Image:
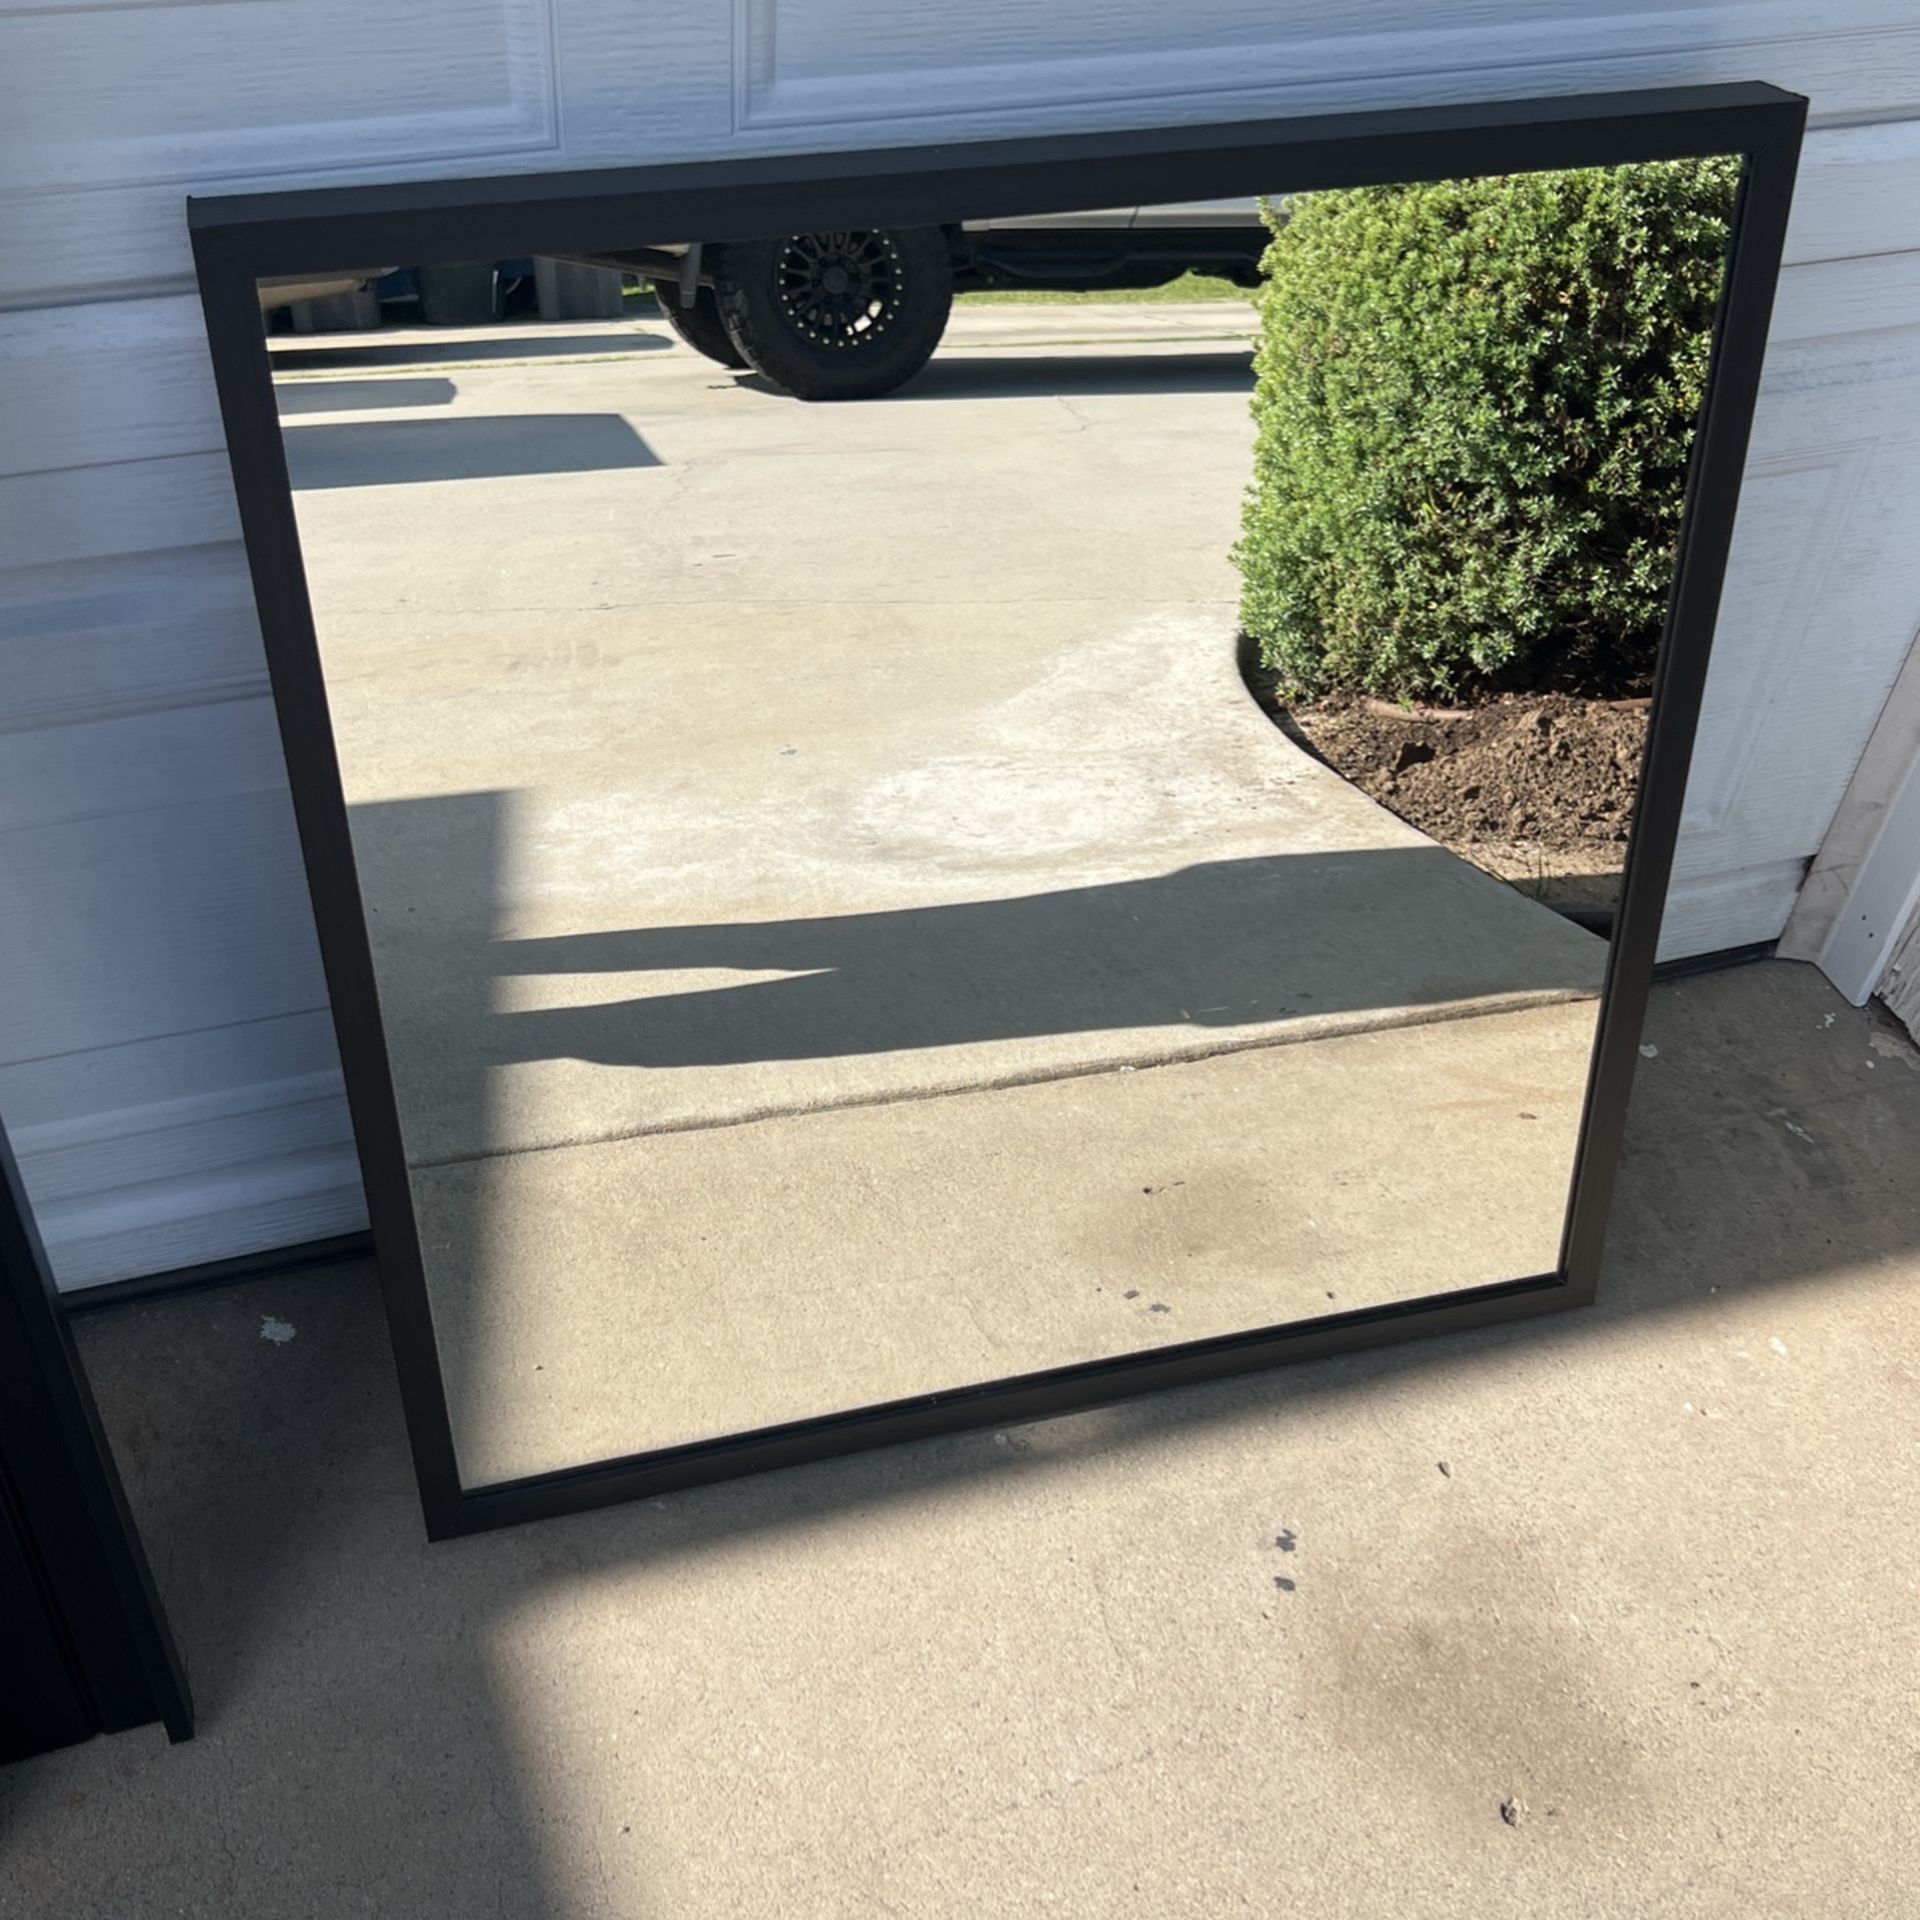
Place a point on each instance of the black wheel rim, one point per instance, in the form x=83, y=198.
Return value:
x=839, y=290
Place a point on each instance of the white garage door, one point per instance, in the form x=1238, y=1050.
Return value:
x=165, y=1059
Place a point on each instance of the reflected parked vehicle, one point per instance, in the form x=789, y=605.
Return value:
x=287, y=289
x=853, y=314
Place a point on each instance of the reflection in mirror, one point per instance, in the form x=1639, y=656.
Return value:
x=1108, y=843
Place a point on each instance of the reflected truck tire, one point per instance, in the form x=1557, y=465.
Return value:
x=699, y=325
x=845, y=315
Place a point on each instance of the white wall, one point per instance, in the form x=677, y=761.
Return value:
x=165, y=1059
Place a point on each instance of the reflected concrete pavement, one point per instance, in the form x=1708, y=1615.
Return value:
x=838, y=757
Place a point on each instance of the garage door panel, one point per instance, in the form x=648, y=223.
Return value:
x=194, y=754
x=166, y=1152
x=293, y=84
x=1721, y=910
x=130, y=925
x=90, y=386
x=262, y=1203
x=178, y=1104
x=133, y=633
x=1874, y=294
x=1855, y=195
x=879, y=63
x=1792, y=519
x=1831, y=497
x=135, y=506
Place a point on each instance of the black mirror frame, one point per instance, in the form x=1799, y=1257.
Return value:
x=238, y=238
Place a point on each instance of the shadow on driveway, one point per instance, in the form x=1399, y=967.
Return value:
x=1219, y=944
x=355, y=396
x=385, y=453
x=1094, y=369
x=382, y=350
x=980, y=376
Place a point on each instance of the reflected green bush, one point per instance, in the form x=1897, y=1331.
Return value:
x=1474, y=404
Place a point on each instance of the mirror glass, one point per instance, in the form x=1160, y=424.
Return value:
x=938, y=804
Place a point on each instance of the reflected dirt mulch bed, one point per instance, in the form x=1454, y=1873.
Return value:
x=1535, y=788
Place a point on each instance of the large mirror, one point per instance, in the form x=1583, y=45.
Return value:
x=942, y=800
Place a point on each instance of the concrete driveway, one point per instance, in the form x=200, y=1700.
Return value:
x=1637, y=1573
x=730, y=776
